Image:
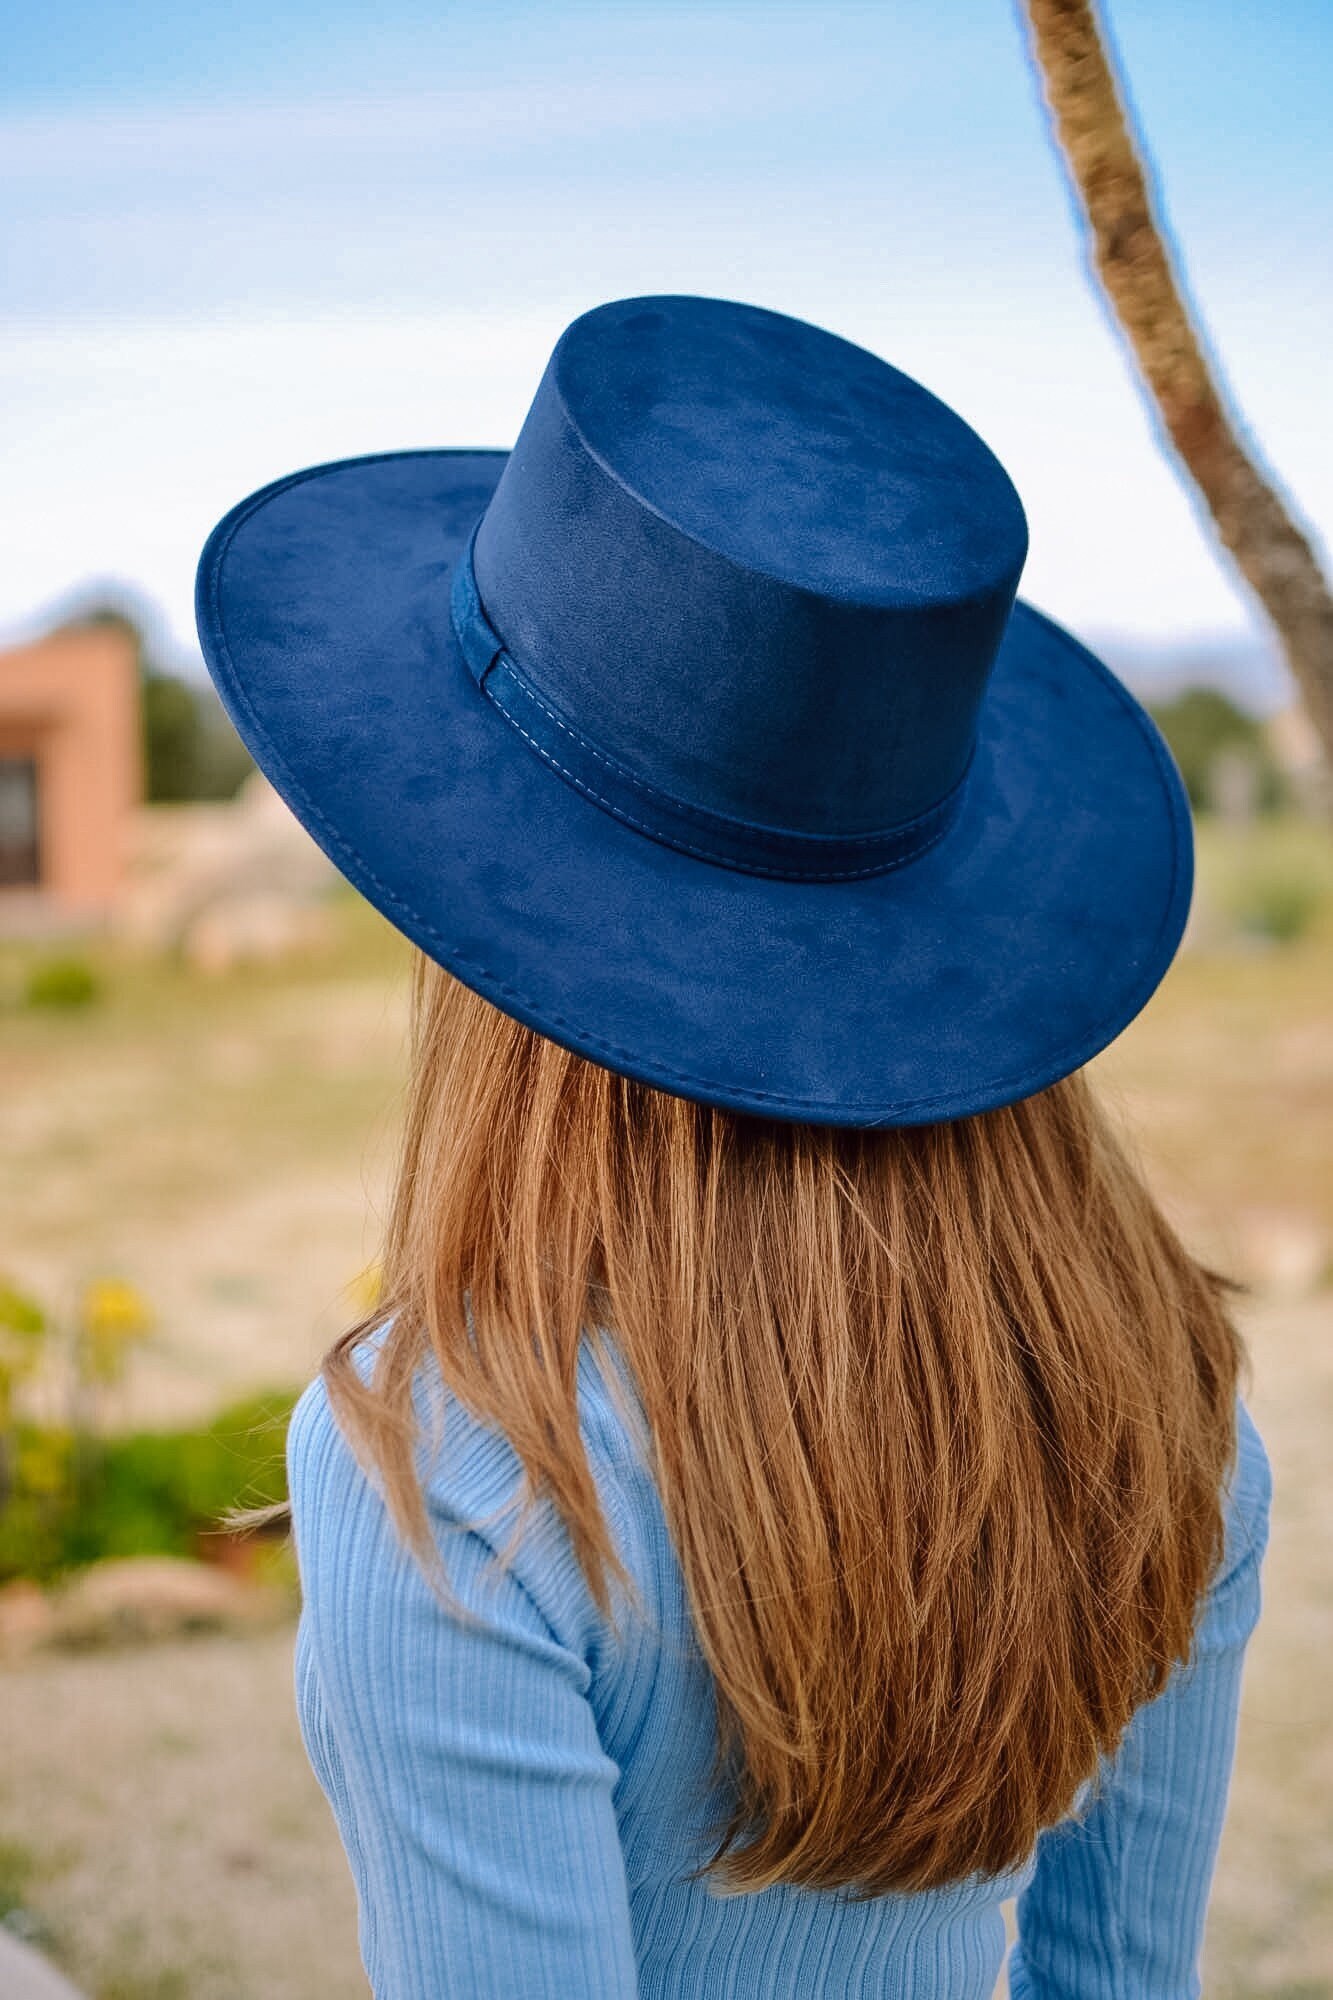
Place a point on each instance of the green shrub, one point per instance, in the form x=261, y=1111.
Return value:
x=147, y=1493
x=168, y=1984
x=190, y=749
x=17, y=1868
x=1201, y=725
x=1279, y=904
x=61, y=983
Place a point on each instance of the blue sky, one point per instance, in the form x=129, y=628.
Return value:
x=238, y=241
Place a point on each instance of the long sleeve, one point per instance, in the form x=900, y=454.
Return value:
x=1115, y=1909
x=462, y=1763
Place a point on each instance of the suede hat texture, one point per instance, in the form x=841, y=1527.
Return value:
x=703, y=731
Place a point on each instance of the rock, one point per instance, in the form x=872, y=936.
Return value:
x=226, y=883
x=258, y=929
x=1284, y=1253
x=26, y=1619
x=26, y=1976
x=156, y=1597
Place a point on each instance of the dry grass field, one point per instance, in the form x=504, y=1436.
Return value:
x=224, y=1144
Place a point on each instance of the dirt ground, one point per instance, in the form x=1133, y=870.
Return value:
x=225, y=1145
x=178, y=1847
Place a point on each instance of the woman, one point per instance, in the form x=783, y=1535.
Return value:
x=793, y=1496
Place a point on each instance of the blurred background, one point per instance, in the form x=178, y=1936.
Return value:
x=240, y=241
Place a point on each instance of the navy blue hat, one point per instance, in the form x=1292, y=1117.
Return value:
x=703, y=733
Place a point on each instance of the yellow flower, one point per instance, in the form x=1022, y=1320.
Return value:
x=18, y=1313
x=44, y=1463
x=22, y=1334
x=367, y=1288
x=113, y=1317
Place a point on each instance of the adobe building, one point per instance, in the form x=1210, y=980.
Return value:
x=71, y=774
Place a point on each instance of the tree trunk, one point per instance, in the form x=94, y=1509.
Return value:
x=1130, y=258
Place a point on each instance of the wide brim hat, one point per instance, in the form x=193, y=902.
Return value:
x=704, y=732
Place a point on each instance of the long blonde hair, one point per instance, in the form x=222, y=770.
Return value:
x=939, y=1418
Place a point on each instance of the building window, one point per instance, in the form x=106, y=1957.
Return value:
x=19, y=859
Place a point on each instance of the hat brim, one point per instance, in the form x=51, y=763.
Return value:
x=1004, y=958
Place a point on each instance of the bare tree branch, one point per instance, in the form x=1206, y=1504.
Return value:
x=1131, y=261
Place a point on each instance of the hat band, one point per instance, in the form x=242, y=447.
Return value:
x=692, y=829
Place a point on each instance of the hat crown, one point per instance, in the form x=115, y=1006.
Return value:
x=598, y=723
x=751, y=567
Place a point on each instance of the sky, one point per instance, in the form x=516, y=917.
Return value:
x=238, y=241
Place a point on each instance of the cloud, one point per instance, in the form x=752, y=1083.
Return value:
x=471, y=125
x=202, y=296
x=126, y=444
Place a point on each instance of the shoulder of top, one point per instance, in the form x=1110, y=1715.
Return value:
x=475, y=1464
x=1249, y=1494
x=472, y=1482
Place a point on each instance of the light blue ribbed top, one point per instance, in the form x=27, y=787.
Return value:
x=521, y=1801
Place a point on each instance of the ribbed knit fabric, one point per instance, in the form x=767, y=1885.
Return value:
x=521, y=1799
